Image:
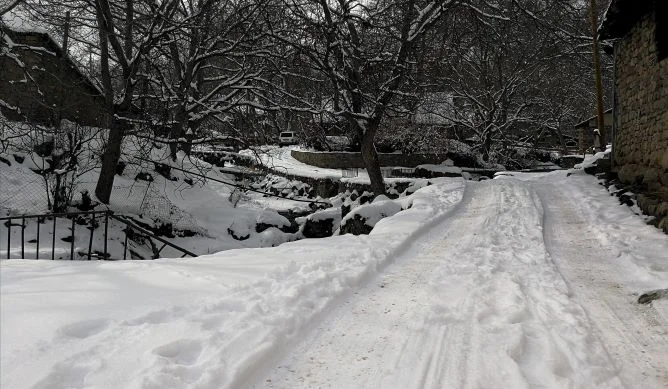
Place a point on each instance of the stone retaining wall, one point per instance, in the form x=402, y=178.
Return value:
x=344, y=160
x=640, y=148
x=330, y=187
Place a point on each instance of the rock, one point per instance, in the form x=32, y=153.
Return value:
x=259, y=227
x=345, y=209
x=292, y=218
x=144, y=176
x=322, y=223
x=237, y=237
x=318, y=228
x=602, y=166
x=164, y=170
x=269, y=218
x=239, y=230
x=120, y=167
x=569, y=161
x=45, y=148
x=650, y=296
x=432, y=171
x=463, y=159
x=365, y=217
x=356, y=226
x=366, y=197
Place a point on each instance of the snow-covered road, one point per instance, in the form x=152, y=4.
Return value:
x=482, y=304
x=518, y=282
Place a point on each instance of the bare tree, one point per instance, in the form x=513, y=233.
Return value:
x=519, y=76
x=118, y=26
x=7, y=6
x=204, y=70
x=364, y=52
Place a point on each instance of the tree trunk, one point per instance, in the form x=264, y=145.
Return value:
x=112, y=151
x=177, y=131
x=110, y=158
x=486, y=147
x=593, y=13
x=372, y=164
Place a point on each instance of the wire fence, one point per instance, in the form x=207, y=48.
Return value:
x=25, y=192
x=22, y=191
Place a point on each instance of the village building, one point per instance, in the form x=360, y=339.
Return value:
x=639, y=32
x=41, y=84
x=586, y=130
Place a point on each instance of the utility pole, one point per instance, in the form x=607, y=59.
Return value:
x=66, y=34
x=593, y=13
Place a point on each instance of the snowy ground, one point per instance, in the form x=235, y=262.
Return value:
x=281, y=160
x=519, y=282
x=203, y=208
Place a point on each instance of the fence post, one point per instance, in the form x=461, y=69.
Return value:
x=23, y=245
x=106, y=229
x=53, y=240
x=9, y=236
x=125, y=245
x=90, y=239
x=72, y=243
x=37, y=249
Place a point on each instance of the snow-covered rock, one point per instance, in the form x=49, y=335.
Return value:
x=322, y=223
x=362, y=219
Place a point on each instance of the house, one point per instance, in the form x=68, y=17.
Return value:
x=639, y=32
x=585, y=130
x=41, y=84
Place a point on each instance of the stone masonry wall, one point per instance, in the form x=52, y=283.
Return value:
x=343, y=160
x=641, y=139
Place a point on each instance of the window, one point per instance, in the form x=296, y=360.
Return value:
x=661, y=37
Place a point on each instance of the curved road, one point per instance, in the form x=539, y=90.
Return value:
x=516, y=289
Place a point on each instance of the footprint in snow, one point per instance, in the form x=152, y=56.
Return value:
x=83, y=329
x=181, y=352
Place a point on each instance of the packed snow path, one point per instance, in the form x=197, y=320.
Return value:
x=483, y=303
x=524, y=282
x=599, y=261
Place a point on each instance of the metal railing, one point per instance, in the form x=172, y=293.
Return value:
x=91, y=222
x=350, y=172
x=130, y=226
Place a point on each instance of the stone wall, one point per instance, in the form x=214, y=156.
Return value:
x=344, y=160
x=39, y=85
x=640, y=148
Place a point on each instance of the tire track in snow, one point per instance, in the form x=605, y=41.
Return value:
x=222, y=340
x=601, y=280
x=483, y=306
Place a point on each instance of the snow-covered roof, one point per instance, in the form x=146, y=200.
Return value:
x=15, y=25
x=586, y=121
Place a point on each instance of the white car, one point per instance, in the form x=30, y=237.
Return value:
x=287, y=138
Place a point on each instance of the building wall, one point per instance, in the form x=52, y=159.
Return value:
x=45, y=87
x=641, y=137
x=344, y=160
